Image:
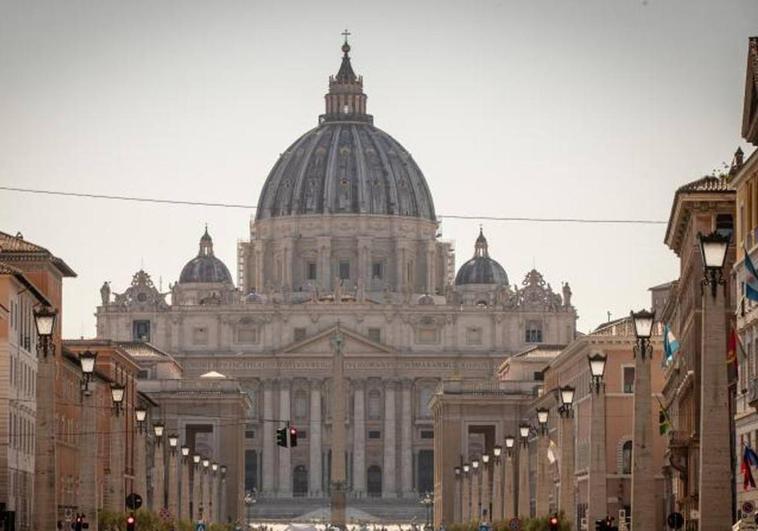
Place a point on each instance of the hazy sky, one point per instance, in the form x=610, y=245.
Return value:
x=561, y=108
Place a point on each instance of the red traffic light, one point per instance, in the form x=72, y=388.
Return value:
x=130, y=519
x=293, y=436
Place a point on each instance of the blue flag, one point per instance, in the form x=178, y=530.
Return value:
x=751, y=279
x=670, y=343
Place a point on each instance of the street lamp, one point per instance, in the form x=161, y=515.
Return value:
x=542, y=417
x=214, y=466
x=223, y=470
x=643, y=329
x=597, y=370
x=510, y=440
x=497, y=451
x=117, y=395
x=206, y=462
x=196, y=459
x=475, y=465
x=173, y=441
x=185, y=452
x=485, y=460
x=158, y=429
x=523, y=430
x=87, y=361
x=567, y=398
x=44, y=321
x=457, y=471
x=713, y=249
x=140, y=412
x=466, y=468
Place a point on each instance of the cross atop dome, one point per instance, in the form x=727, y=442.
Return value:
x=346, y=100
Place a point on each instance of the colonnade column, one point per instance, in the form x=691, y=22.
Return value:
x=206, y=493
x=466, y=497
x=406, y=441
x=475, y=487
x=196, y=493
x=140, y=463
x=359, y=438
x=314, y=440
x=267, y=465
x=184, y=503
x=544, y=481
x=485, y=495
x=214, y=496
x=389, y=486
x=458, y=497
x=173, y=486
x=285, y=465
x=159, y=500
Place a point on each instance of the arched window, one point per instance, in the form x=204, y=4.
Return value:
x=626, y=458
x=374, y=404
x=374, y=481
x=301, y=404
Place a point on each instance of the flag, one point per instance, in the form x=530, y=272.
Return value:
x=664, y=422
x=552, y=452
x=749, y=459
x=670, y=343
x=751, y=278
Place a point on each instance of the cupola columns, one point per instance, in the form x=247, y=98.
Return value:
x=345, y=100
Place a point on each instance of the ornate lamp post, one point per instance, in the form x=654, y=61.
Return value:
x=522, y=496
x=544, y=482
x=44, y=321
x=222, y=516
x=87, y=360
x=206, y=489
x=140, y=451
x=171, y=479
x=476, y=491
x=89, y=469
x=184, y=485
x=597, y=508
x=196, y=494
x=486, y=502
x=159, y=467
x=715, y=451
x=457, y=502
x=466, y=498
x=116, y=492
x=117, y=396
x=566, y=501
x=213, y=507
x=140, y=414
x=643, y=482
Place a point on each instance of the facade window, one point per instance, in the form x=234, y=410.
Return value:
x=140, y=330
x=200, y=336
x=427, y=434
x=533, y=332
x=629, y=379
x=301, y=404
x=299, y=334
x=375, y=335
x=424, y=396
x=473, y=336
x=249, y=431
x=344, y=270
x=374, y=434
x=143, y=374
x=377, y=270
x=310, y=271
x=626, y=458
x=374, y=404
x=247, y=335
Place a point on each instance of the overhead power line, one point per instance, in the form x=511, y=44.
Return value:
x=532, y=219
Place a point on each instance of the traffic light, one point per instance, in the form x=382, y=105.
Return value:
x=293, y=436
x=281, y=437
x=130, y=523
x=552, y=523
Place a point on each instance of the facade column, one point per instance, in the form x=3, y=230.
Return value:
x=214, y=505
x=172, y=484
x=184, y=505
x=285, y=465
x=544, y=481
x=196, y=490
x=715, y=452
x=206, y=493
x=497, y=489
x=466, y=498
x=89, y=468
x=476, y=514
x=597, y=500
x=485, y=493
x=643, y=479
x=159, y=470
x=406, y=441
x=267, y=465
x=222, y=496
x=314, y=440
x=457, y=498
x=523, y=495
x=510, y=509
x=389, y=486
x=359, y=438
x=566, y=502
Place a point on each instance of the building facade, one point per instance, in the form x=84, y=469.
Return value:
x=345, y=233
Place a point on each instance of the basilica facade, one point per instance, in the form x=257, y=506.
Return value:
x=345, y=236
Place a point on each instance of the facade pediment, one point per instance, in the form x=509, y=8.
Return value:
x=354, y=344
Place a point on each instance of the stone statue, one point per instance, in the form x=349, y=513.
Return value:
x=337, y=290
x=566, y=295
x=105, y=293
x=360, y=290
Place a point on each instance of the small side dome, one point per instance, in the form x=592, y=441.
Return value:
x=205, y=267
x=481, y=269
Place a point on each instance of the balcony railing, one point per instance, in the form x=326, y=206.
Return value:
x=490, y=387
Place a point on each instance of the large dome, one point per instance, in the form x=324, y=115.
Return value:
x=481, y=269
x=205, y=267
x=346, y=164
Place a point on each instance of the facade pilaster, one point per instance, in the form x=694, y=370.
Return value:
x=431, y=267
x=268, y=438
x=389, y=487
x=314, y=441
x=457, y=499
x=285, y=466
x=214, y=496
x=406, y=440
x=325, y=262
x=359, y=438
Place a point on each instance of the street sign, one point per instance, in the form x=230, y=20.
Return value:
x=134, y=501
x=514, y=524
x=675, y=520
x=748, y=507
